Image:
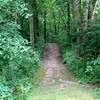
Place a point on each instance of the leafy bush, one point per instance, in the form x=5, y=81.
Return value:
x=88, y=41
x=5, y=93
x=89, y=47
x=86, y=71
x=93, y=70
x=18, y=61
x=77, y=66
x=11, y=9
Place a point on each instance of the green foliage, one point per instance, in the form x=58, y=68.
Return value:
x=40, y=44
x=90, y=45
x=18, y=62
x=59, y=38
x=5, y=93
x=77, y=66
x=93, y=70
x=95, y=92
x=87, y=42
x=11, y=9
x=85, y=71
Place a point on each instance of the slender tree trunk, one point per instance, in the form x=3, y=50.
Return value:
x=31, y=22
x=68, y=16
x=76, y=13
x=85, y=15
x=96, y=3
x=73, y=8
x=80, y=11
x=58, y=27
x=91, y=7
x=61, y=14
x=36, y=22
x=54, y=18
x=45, y=29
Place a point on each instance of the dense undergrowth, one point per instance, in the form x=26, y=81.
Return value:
x=84, y=71
x=18, y=63
x=83, y=57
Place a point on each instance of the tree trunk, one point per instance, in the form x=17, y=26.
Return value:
x=96, y=3
x=58, y=26
x=77, y=16
x=54, y=18
x=31, y=22
x=91, y=6
x=68, y=16
x=76, y=13
x=36, y=22
x=45, y=29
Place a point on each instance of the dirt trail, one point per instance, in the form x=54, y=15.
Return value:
x=58, y=83
x=56, y=72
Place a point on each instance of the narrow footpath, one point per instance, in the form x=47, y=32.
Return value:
x=58, y=82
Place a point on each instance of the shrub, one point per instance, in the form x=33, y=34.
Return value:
x=86, y=71
x=77, y=66
x=5, y=93
x=93, y=70
x=18, y=61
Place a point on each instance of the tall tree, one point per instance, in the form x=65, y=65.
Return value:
x=45, y=25
x=76, y=12
x=91, y=7
x=68, y=16
x=36, y=21
x=54, y=18
x=31, y=21
x=96, y=3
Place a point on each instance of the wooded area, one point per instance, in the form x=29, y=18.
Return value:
x=27, y=25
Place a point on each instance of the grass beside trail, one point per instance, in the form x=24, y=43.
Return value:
x=69, y=93
x=95, y=92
